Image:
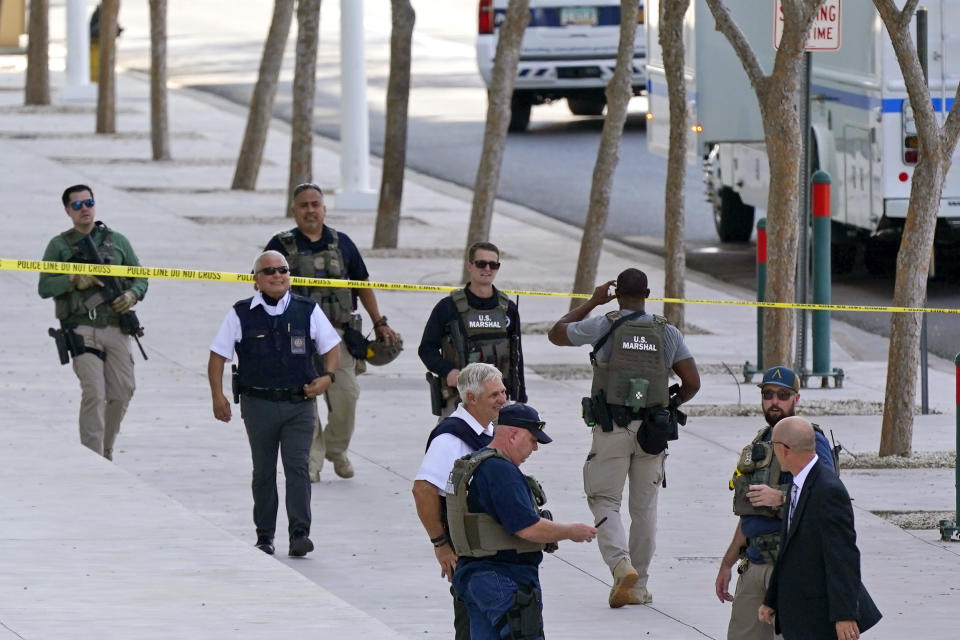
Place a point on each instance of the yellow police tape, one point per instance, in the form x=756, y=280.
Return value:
x=77, y=268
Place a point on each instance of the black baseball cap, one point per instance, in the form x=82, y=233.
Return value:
x=525, y=417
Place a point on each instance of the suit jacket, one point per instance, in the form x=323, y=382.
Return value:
x=816, y=581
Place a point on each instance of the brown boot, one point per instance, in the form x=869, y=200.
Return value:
x=639, y=594
x=624, y=577
x=341, y=465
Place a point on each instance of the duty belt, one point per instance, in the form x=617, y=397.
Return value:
x=275, y=395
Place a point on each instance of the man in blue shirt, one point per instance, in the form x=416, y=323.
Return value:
x=498, y=576
x=760, y=506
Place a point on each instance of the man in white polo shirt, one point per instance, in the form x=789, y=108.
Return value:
x=467, y=429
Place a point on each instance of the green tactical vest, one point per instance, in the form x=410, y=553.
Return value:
x=764, y=469
x=335, y=302
x=636, y=354
x=478, y=535
x=87, y=306
x=485, y=334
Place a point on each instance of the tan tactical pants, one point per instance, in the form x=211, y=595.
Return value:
x=751, y=587
x=614, y=457
x=342, y=396
x=106, y=386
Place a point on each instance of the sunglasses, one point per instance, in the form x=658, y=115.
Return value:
x=781, y=395
x=483, y=264
x=80, y=204
x=269, y=271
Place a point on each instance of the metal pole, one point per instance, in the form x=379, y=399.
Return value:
x=924, y=373
x=78, y=85
x=821, y=272
x=761, y=284
x=803, y=259
x=354, y=192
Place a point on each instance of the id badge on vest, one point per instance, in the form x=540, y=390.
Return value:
x=298, y=345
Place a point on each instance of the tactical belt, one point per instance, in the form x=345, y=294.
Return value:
x=275, y=395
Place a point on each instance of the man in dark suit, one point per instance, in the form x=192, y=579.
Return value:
x=815, y=591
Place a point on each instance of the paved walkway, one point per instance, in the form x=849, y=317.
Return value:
x=159, y=544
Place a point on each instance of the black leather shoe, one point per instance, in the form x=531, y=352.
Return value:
x=300, y=546
x=265, y=544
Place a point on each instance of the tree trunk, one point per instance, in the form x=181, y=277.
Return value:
x=777, y=97
x=107, y=74
x=916, y=246
x=618, y=94
x=261, y=103
x=304, y=94
x=37, y=90
x=499, y=95
x=387, y=230
x=672, y=13
x=159, y=122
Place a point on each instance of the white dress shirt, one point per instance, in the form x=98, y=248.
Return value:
x=446, y=449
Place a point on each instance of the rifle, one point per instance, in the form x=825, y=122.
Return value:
x=129, y=323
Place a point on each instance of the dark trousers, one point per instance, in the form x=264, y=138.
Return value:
x=286, y=427
x=461, y=617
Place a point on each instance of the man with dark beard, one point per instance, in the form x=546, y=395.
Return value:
x=760, y=490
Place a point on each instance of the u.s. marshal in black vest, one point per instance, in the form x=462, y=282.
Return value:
x=276, y=335
x=475, y=324
x=467, y=429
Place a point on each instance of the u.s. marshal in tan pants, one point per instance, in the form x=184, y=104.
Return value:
x=634, y=352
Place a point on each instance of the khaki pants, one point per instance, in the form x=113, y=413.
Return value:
x=342, y=396
x=106, y=385
x=614, y=457
x=751, y=587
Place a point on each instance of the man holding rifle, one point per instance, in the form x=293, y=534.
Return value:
x=96, y=320
x=475, y=324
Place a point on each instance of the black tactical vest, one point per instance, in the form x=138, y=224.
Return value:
x=275, y=352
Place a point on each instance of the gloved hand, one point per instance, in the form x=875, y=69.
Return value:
x=125, y=301
x=83, y=281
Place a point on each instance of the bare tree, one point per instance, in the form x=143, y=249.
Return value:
x=499, y=97
x=777, y=95
x=159, y=122
x=387, y=230
x=37, y=89
x=261, y=103
x=618, y=93
x=675, y=259
x=107, y=75
x=913, y=260
x=304, y=94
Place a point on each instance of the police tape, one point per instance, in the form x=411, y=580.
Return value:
x=78, y=268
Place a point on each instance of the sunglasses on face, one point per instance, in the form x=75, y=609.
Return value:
x=80, y=204
x=781, y=395
x=483, y=264
x=269, y=271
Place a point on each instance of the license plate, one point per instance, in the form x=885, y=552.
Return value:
x=578, y=16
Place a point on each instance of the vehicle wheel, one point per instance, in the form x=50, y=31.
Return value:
x=842, y=258
x=880, y=257
x=519, y=112
x=587, y=105
x=733, y=219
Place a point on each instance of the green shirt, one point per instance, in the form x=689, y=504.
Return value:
x=58, y=286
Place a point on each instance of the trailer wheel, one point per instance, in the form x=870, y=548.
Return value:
x=733, y=219
x=587, y=105
x=880, y=257
x=520, y=105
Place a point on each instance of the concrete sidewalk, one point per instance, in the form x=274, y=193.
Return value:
x=160, y=544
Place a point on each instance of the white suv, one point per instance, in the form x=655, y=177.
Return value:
x=569, y=51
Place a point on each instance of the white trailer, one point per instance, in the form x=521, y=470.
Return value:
x=862, y=128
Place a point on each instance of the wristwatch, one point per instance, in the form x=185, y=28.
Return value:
x=333, y=378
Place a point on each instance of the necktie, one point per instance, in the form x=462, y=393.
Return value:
x=793, y=505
